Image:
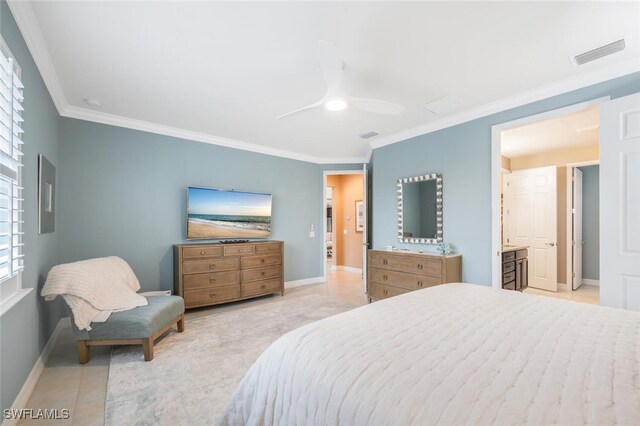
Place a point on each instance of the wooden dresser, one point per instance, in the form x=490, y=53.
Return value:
x=209, y=274
x=390, y=273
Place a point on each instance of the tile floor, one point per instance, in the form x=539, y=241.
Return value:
x=82, y=389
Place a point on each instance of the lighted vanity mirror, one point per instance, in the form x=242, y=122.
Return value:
x=420, y=209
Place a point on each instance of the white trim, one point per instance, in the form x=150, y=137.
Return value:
x=303, y=282
x=324, y=214
x=160, y=129
x=594, y=283
x=569, y=219
x=28, y=24
x=22, y=399
x=496, y=245
x=347, y=269
x=544, y=92
x=13, y=300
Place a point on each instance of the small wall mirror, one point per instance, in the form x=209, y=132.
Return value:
x=420, y=209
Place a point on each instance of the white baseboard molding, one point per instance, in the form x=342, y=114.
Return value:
x=303, y=282
x=595, y=283
x=22, y=399
x=348, y=269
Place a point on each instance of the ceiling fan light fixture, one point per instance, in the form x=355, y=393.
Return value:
x=336, y=104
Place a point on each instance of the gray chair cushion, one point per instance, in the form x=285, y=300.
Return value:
x=137, y=323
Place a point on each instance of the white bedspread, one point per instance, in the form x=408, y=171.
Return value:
x=452, y=354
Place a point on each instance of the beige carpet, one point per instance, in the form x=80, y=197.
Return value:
x=193, y=373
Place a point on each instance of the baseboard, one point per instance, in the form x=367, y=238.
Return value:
x=348, y=269
x=595, y=283
x=303, y=282
x=32, y=380
x=563, y=286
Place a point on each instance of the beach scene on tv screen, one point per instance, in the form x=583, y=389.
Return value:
x=228, y=214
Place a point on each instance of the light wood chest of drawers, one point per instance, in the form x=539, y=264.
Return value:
x=390, y=273
x=209, y=274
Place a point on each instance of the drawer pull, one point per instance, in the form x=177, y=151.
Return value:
x=212, y=280
x=239, y=250
x=419, y=283
x=385, y=292
x=385, y=261
x=212, y=266
x=420, y=266
x=262, y=273
x=384, y=277
x=263, y=286
x=202, y=252
x=261, y=260
x=212, y=295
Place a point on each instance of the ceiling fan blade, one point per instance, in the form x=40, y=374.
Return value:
x=313, y=105
x=377, y=106
x=331, y=65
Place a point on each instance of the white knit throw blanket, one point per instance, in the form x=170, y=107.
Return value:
x=94, y=288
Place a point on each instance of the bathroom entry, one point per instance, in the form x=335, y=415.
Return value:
x=344, y=215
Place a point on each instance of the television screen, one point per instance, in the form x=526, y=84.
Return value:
x=217, y=213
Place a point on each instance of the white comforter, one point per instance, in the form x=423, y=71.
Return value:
x=452, y=354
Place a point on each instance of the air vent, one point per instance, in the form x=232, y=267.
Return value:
x=367, y=135
x=599, y=52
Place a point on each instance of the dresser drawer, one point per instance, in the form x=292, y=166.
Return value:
x=508, y=256
x=236, y=250
x=261, y=273
x=403, y=279
x=201, y=251
x=257, y=261
x=210, y=265
x=268, y=248
x=508, y=267
x=381, y=291
x=406, y=263
x=522, y=254
x=215, y=279
x=510, y=276
x=259, y=287
x=211, y=295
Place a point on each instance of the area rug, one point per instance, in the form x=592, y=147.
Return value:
x=194, y=373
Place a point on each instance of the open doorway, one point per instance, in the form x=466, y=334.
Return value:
x=546, y=227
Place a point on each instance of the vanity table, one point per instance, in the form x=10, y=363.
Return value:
x=515, y=267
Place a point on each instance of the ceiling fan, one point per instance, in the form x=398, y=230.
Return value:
x=331, y=66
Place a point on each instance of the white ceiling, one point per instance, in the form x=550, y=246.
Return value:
x=575, y=130
x=221, y=72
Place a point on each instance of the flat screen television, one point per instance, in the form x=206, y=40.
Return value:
x=219, y=214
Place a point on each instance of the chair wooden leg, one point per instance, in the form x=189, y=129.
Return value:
x=181, y=323
x=147, y=347
x=84, y=352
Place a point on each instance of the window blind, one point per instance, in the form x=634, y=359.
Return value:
x=11, y=199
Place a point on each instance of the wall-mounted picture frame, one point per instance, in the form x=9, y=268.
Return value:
x=359, y=216
x=46, y=195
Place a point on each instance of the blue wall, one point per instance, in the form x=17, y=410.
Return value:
x=123, y=192
x=26, y=327
x=591, y=222
x=462, y=154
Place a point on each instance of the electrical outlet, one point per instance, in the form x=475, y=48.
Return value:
x=344, y=231
x=312, y=234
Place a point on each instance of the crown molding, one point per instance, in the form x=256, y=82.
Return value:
x=160, y=129
x=559, y=87
x=25, y=17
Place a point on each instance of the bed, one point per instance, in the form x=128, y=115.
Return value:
x=451, y=354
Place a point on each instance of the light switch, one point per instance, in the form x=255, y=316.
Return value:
x=312, y=234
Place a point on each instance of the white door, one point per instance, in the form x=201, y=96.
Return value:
x=365, y=237
x=530, y=200
x=577, y=240
x=620, y=203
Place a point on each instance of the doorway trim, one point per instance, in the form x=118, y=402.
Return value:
x=496, y=130
x=324, y=213
x=569, y=236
